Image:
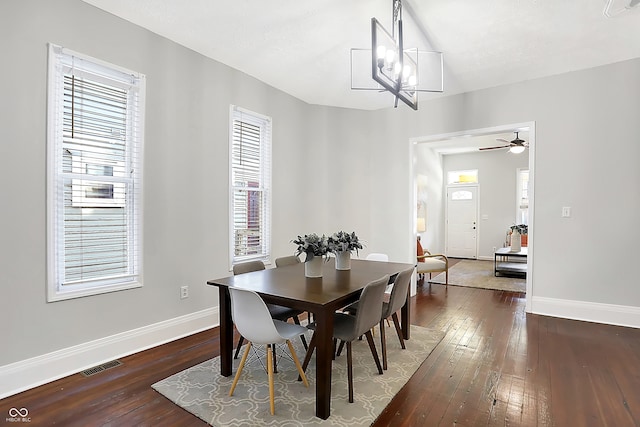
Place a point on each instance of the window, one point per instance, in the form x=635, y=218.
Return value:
x=522, y=208
x=463, y=177
x=94, y=176
x=250, y=148
x=462, y=195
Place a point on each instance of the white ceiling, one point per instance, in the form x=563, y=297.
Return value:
x=303, y=47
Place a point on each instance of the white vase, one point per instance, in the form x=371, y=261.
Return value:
x=313, y=267
x=343, y=260
x=516, y=242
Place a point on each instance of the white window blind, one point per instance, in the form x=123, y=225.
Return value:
x=250, y=149
x=95, y=135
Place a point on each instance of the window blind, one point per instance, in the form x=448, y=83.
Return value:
x=95, y=175
x=250, y=141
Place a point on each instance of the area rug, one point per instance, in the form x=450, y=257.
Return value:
x=202, y=391
x=479, y=274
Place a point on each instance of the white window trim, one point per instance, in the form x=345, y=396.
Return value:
x=55, y=186
x=266, y=151
x=519, y=206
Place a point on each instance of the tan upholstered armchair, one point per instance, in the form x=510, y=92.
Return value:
x=432, y=263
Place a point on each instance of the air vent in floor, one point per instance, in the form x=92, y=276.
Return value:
x=100, y=368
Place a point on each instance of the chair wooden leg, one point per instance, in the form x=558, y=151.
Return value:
x=374, y=352
x=350, y=369
x=383, y=344
x=296, y=320
x=242, y=362
x=396, y=322
x=240, y=342
x=446, y=278
x=297, y=362
x=270, y=373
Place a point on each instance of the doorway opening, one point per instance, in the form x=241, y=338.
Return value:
x=430, y=181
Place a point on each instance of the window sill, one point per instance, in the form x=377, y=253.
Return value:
x=86, y=291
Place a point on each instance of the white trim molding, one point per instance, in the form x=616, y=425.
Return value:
x=26, y=374
x=612, y=314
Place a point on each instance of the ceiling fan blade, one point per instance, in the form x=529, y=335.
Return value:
x=494, y=148
x=503, y=140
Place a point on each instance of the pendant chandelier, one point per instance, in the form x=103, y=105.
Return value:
x=401, y=71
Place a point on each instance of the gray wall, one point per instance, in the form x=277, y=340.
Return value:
x=428, y=169
x=333, y=168
x=587, y=148
x=185, y=174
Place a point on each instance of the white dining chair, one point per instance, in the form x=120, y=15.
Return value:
x=252, y=319
x=374, y=256
x=277, y=311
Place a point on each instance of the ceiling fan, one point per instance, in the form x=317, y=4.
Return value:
x=516, y=146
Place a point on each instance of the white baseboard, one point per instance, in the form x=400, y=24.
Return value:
x=25, y=374
x=611, y=314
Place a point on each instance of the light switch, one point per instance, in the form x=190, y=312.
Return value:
x=566, y=212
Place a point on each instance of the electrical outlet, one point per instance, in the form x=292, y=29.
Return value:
x=184, y=292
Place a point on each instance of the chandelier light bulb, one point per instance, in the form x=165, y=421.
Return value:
x=381, y=52
x=397, y=69
x=390, y=56
x=406, y=72
x=412, y=80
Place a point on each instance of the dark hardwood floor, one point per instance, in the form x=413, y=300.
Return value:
x=496, y=366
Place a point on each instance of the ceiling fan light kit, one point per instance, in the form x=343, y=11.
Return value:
x=515, y=146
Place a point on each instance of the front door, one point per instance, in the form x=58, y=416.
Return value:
x=462, y=221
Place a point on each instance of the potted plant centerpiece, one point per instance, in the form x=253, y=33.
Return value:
x=316, y=249
x=342, y=244
x=517, y=231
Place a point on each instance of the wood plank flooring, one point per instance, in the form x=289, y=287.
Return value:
x=497, y=366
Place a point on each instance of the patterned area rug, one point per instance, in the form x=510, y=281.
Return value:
x=202, y=391
x=479, y=274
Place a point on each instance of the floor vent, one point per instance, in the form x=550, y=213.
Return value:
x=100, y=368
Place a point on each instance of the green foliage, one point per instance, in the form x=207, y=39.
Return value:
x=520, y=228
x=312, y=245
x=344, y=242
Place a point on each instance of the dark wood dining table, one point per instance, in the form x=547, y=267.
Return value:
x=321, y=296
